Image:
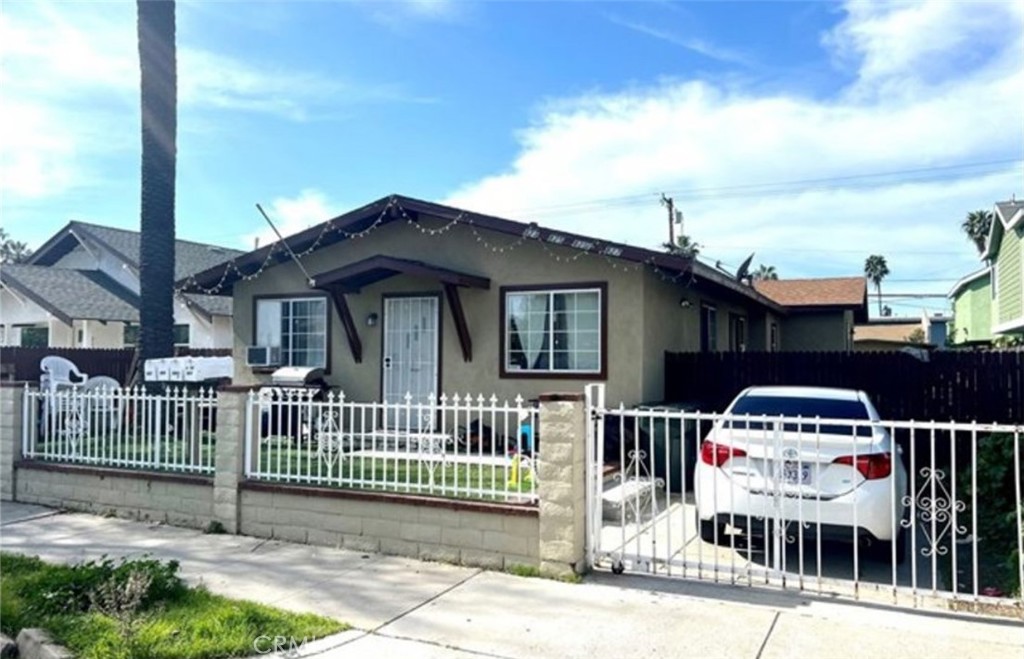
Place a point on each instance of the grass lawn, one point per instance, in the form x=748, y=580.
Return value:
x=174, y=621
x=459, y=475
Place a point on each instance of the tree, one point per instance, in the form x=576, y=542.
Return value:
x=916, y=336
x=685, y=246
x=159, y=99
x=12, y=251
x=976, y=225
x=766, y=272
x=876, y=269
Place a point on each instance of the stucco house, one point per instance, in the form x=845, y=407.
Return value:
x=821, y=312
x=989, y=304
x=81, y=289
x=407, y=295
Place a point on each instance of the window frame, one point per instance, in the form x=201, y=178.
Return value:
x=708, y=335
x=285, y=297
x=31, y=329
x=737, y=332
x=188, y=340
x=601, y=287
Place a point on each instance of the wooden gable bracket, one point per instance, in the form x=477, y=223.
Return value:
x=351, y=333
x=459, y=318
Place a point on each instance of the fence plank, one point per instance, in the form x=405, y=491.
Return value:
x=984, y=386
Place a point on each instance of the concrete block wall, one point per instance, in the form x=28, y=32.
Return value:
x=549, y=536
x=483, y=535
x=154, y=498
x=10, y=436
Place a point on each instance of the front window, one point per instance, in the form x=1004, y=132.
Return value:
x=296, y=325
x=737, y=333
x=35, y=337
x=182, y=334
x=553, y=331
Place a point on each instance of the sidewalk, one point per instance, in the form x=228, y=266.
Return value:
x=408, y=608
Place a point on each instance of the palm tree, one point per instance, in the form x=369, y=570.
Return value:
x=159, y=96
x=976, y=225
x=685, y=246
x=12, y=251
x=876, y=269
x=766, y=272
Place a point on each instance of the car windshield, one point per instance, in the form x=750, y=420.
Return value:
x=792, y=406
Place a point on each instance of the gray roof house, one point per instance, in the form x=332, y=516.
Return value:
x=81, y=289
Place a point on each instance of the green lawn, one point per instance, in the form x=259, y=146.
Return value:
x=103, y=450
x=398, y=473
x=175, y=621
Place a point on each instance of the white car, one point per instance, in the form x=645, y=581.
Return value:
x=791, y=456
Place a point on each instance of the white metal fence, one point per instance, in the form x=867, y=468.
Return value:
x=171, y=430
x=897, y=511
x=456, y=446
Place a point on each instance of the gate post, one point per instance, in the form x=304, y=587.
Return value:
x=561, y=484
x=12, y=398
x=229, y=462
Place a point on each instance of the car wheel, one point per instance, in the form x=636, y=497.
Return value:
x=708, y=531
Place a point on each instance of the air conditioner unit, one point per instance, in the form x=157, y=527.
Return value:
x=263, y=355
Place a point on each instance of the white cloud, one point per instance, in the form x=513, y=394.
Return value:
x=293, y=214
x=935, y=84
x=692, y=44
x=70, y=80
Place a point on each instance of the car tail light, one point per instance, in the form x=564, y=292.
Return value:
x=718, y=454
x=871, y=466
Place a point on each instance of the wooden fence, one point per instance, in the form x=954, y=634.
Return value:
x=22, y=364
x=987, y=387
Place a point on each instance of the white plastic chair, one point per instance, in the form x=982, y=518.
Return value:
x=56, y=374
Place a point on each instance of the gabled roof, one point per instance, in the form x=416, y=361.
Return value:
x=1008, y=214
x=407, y=209
x=72, y=294
x=189, y=257
x=964, y=281
x=822, y=293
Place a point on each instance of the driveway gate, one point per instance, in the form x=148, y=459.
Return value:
x=954, y=490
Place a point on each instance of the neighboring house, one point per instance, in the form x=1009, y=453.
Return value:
x=81, y=289
x=890, y=334
x=972, y=309
x=404, y=295
x=822, y=312
x=989, y=304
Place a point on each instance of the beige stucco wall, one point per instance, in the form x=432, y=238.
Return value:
x=630, y=349
x=486, y=539
x=827, y=330
x=135, y=497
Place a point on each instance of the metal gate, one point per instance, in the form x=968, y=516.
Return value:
x=794, y=503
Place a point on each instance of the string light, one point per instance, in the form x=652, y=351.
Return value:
x=611, y=254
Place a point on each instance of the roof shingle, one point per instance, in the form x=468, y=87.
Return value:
x=75, y=294
x=824, y=292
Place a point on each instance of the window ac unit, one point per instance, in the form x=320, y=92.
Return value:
x=263, y=356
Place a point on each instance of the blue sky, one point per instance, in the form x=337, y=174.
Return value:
x=572, y=114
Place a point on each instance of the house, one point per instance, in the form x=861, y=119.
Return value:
x=989, y=304
x=404, y=295
x=893, y=334
x=822, y=312
x=81, y=289
x=972, y=309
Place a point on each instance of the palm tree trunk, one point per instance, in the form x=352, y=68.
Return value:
x=878, y=287
x=159, y=91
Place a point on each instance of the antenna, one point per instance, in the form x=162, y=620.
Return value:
x=744, y=270
x=309, y=280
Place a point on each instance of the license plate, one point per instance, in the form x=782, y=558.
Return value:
x=794, y=473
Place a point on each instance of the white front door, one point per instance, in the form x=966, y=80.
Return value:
x=410, y=356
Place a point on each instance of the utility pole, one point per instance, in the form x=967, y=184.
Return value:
x=670, y=205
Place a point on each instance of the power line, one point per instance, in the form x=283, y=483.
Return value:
x=907, y=175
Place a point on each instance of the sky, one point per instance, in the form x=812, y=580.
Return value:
x=811, y=134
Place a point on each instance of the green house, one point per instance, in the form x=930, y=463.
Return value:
x=989, y=304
